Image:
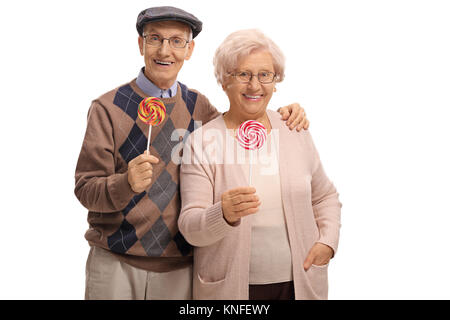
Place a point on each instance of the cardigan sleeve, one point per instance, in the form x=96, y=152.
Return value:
x=98, y=186
x=201, y=220
x=325, y=203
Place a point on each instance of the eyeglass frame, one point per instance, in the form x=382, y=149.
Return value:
x=162, y=41
x=235, y=74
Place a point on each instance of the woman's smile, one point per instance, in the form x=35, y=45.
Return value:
x=253, y=97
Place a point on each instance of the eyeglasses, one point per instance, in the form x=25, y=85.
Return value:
x=247, y=76
x=155, y=40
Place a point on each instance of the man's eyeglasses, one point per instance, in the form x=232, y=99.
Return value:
x=155, y=40
x=246, y=76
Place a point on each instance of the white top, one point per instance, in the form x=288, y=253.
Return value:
x=270, y=259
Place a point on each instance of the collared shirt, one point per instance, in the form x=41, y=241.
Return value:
x=152, y=90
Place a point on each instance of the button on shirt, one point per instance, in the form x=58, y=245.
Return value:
x=152, y=90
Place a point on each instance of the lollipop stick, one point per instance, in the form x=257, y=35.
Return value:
x=149, y=136
x=250, y=169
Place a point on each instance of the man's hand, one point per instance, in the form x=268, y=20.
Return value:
x=320, y=254
x=295, y=116
x=140, y=172
x=239, y=202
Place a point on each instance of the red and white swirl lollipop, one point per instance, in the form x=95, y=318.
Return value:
x=251, y=136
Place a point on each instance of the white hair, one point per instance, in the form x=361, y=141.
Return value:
x=240, y=44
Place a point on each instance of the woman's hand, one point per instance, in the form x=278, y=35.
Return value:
x=295, y=116
x=320, y=254
x=239, y=202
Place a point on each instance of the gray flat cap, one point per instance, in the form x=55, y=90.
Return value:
x=168, y=14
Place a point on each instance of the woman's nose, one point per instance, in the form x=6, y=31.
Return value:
x=254, y=82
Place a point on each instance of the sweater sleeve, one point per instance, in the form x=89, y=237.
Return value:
x=325, y=203
x=97, y=186
x=201, y=221
x=206, y=111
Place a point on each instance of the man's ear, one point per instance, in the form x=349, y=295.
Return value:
x=191, y=46
x=141, y=45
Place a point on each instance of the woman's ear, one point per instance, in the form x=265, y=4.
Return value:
x=225, y=85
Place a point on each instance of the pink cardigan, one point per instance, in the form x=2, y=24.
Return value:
x=222, y=252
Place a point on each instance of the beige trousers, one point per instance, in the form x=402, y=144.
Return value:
x=108, y=278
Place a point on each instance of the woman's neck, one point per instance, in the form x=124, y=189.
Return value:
x=234, y=120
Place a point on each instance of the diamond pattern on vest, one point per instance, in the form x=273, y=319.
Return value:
x=163, y=190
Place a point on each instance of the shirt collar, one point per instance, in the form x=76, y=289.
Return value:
x=152, y=90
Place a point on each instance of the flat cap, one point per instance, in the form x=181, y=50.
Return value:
x=167, y=13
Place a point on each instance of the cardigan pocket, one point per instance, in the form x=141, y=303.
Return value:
x=318, y=278
x=208, y=289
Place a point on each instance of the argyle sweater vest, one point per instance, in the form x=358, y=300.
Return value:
x=140, y=229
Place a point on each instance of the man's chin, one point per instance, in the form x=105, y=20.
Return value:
x=160, y=79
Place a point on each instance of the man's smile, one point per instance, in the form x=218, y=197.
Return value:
x=162, y=62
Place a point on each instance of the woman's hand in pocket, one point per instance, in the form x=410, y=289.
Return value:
x=319, y=255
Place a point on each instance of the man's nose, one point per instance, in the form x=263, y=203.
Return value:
x=165, y=47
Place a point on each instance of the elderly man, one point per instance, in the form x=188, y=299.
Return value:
x=133, y=196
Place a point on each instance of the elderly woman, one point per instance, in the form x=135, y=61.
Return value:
x=273, y=239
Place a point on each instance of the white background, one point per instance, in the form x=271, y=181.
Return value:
x=373, y=76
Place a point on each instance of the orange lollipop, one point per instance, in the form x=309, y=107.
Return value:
x=153, y=112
